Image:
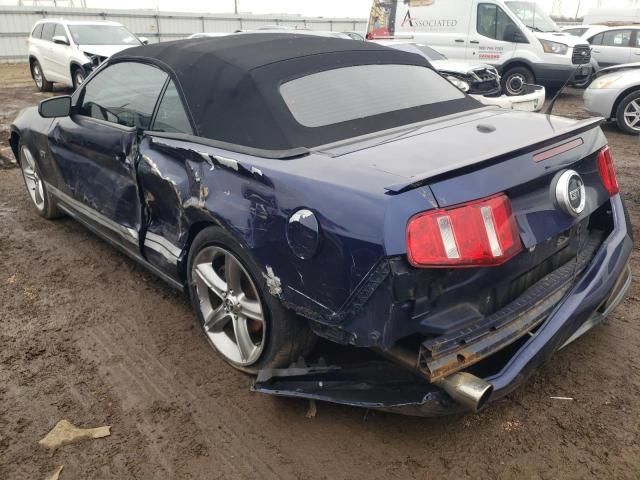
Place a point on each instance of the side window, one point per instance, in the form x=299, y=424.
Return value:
x=60, y=31
x=124, y=93
x=597, y=40
x=37, y=32
x=637, y=44
x=171, y=116
x=617, y=38
x=47, y=31
x=494, y=23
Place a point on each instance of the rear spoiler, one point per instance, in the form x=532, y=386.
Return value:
x=466, y=165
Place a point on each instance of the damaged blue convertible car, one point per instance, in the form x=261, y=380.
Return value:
x=298, y=187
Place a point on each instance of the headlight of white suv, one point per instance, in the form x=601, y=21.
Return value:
x=554, y=47
x=461, y=84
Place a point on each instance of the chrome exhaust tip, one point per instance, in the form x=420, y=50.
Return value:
x=467, y=389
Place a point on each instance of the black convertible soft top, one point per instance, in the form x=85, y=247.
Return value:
x=230, y=86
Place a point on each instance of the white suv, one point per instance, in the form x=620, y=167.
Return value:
x=64, y=52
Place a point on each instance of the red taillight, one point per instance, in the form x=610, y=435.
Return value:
x=608, y=171
x=483, y=232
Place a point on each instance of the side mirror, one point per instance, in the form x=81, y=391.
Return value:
x=60, y=40
x=144, y=40
x=55, y=107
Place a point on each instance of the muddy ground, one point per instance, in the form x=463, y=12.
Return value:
x=87, y=335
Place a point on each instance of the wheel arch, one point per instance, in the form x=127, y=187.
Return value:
x=518, y=62
x=14, y=141
x=620, y=97
x=72, y=67
x=194, y=229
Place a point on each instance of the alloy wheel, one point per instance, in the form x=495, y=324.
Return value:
x=31, y=178
x=232, y=312
x=79, y=78
x=37, y=75
x=632, y=115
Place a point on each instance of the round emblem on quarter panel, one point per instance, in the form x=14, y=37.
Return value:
x=303, y=233
x=570, y=193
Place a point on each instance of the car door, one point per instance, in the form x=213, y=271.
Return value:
x=59, y=55
x=612, y=47
x=45, y=52
x=490, y=28
x=95, y=149
x=635, y=46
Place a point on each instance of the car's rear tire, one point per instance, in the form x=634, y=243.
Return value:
x=42, y=200
x=78, y=75
x=628, y=113
x=38, y=77
x=514, y=80
x=243, y=322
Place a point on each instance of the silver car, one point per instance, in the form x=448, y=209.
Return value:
x=614, y=45
x=615, y=95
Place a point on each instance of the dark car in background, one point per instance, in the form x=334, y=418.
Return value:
x=304, y=186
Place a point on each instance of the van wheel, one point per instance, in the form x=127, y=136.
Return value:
x=515, y=79
x=628, y=113
x=78, y=75
x=38, y=77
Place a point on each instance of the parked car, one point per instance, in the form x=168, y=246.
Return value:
x=516, y=37
x=576, y=30
x=297, y=31
x=318, y=187
x=615, y=95
x=208, y=34
x=64, y=51
x=614, y=45
x=479, y=80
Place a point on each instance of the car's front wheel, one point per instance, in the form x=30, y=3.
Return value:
x=628, y=113
x=38, y=77
x=78, y=77
x=244, y=323
x=40, y=197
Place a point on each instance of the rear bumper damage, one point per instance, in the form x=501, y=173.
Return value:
x=567, y=308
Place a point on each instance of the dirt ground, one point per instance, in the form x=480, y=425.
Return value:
x=89, y=336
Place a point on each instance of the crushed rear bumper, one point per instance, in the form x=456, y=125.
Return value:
x=600, y=287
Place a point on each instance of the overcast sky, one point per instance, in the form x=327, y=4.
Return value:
x=326, y=8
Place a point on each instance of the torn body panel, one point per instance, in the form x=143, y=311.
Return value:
x=593, y=294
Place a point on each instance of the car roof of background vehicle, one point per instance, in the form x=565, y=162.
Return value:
x=79, y=22
x=231, y=84
x=595, y=29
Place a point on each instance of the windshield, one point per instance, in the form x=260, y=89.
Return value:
x=533, y=16
x=102, y=35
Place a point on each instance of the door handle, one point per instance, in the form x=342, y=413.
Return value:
x=475, y=42
x=636, y=53
x=459, y=40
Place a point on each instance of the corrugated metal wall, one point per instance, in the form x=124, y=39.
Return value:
x=16, y=24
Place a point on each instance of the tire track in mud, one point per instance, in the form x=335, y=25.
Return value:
x=142, y=380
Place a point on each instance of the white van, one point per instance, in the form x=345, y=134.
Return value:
x=517, y=37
